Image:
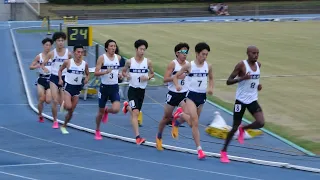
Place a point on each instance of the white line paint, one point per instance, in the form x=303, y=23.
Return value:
x=71, y=165
x=16, y=175
x=24, y=165
x=129, y=158
x=209, y=154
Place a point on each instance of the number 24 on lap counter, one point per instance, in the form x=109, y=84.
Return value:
x=79, y=35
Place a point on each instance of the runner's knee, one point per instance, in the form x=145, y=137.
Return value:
x=42, y=98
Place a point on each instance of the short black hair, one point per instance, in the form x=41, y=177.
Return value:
x=181, y=45
x=58, y=35
x=45, y=40
x=201, y=46
x=108, y=42
x=76, y=47
x=140, y=42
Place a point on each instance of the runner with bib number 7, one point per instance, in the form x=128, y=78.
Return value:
x=199, y=74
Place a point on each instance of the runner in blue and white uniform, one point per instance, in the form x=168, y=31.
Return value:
x=199, y=74
x=43, y=87
x=174, y=98
x=58, y=56
x=108, y=69
x=247, y=75
x=140, y=72
x=76, y=70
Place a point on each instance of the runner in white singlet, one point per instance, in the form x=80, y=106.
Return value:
x=43, y=87
x=199, y=73
x=174, y=98
x=76, y=69
x=247, y=75
x=108, y=69
x=58, y=56
x=140, y=72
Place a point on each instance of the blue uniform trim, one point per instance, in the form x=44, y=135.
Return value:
x=198, y=75
x=139, y=70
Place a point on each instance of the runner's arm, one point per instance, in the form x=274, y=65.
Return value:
x=35, y=63
x=126, y=67
x=184, y=69
x=151, y=72
x=87, y=74
x=211, y=82
x=167, y=76
x=46, y=59
x=69, y=55
x=63, y=66
x=97, y=71
x=231, y=80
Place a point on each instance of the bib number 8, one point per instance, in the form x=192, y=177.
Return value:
x=253, y=85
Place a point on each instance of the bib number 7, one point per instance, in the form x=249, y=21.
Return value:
x=199, y=83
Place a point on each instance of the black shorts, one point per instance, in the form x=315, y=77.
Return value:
x=73, y=90
x=136, y=97
x=174, y=99
x=197, y=98
x=240, y=108
x=108, y=92
x=44, y=82
x=55, y=80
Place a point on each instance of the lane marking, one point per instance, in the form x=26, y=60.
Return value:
x=75, y=166
x=16, y=175
x=23, y=165
x=128, y=158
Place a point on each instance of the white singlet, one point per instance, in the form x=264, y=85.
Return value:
x=247, y=90
x=58, y=61
x=136, y=71
x=112, y=77
x=182, y=82
x=198, y=78
x=48, y=66
x=75, y=73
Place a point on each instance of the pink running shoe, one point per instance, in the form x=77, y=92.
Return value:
x=105, y=115
x=241, y=135
x=41, y=119
x=177, y=114
x=125, y=105
x=224, y=157
x=98, y=135
x=201, y=154
x=55, y=125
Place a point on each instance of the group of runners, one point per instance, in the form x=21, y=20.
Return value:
x=62, y=75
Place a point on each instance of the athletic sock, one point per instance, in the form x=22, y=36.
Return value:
x=159, y=135
x=138, y=137
x=199, y=148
